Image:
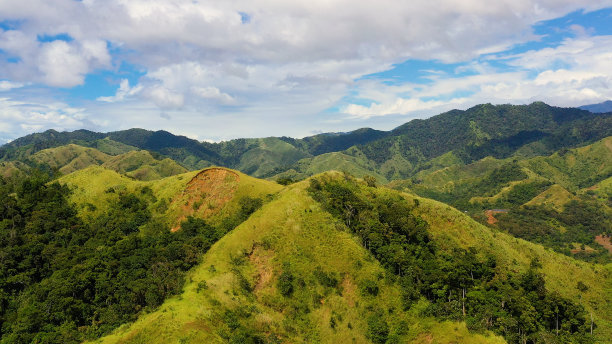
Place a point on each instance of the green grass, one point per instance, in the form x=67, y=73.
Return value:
x=450, y=227
x=268, y=155
x=291, y=233
x=333, y=161
x=555, y=197
x=576, y=168
x=110, y=147
x=138, y=164
x=70, y=158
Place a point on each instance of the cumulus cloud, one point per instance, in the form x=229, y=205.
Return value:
x=123, y=91
x=18, y=118
x=586, y=78
x=279, y=33
x=6, y=85
x=290, y=59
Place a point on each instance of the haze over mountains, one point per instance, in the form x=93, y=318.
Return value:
x=599, y=108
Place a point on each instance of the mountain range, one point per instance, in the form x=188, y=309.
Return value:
x=488, y=225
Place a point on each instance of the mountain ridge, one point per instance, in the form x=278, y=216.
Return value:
x=497, y=130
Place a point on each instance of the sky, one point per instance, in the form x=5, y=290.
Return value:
x=219, y=70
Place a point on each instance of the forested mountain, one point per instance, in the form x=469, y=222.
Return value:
x=489, y=225
x=599, y=108
x=562, y=201
x=464, y=136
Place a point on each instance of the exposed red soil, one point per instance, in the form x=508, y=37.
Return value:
x=604, y=241
x=424, y=338
x=348, y=291
x=490, y=215
x=260, y=258
x=206, y=193
x=586, y=250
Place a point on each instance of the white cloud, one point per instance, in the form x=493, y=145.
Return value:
x=587, y=78
x=6, y=85
x=165, y=98
x=213, y=93
x=291, y=59
x=123, y=91
x=19, y=118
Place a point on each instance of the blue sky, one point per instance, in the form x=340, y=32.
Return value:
x=220, y=70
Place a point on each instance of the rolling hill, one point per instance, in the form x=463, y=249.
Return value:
x=239, y=292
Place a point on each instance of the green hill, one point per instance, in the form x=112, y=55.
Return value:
x=218, y=256
x=237, y=292
x=534, y=193
x=137, y=164
x=283, y=276
x=125, y=245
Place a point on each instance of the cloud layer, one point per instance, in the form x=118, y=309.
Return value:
x=290, y=62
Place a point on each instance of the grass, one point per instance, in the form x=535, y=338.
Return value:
x=291, y=233
x=137, y=164
x=70, y=158
x=333, y=161
x=555, y=197
x=268, y=155
x=451, y=227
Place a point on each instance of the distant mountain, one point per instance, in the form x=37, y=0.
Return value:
x=455, y=136
x=598, y=108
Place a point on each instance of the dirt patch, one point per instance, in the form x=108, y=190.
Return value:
x=206, y=193
x=578, y=249
x=604, y=241
x=198, y=325
x=260, y=258
x=490, y=215
x=348, y=290
x=425, y=338
x=608, y=144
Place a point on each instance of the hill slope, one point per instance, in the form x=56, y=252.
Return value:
x=237, y=292
x=294, y=273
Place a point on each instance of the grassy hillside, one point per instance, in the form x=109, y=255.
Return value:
x=288, y=274
x=291, y=266
x=267, y=156
x=576, y=168
x=561, y=272
x=70, y=158
x=213, y=193
x=332, y=161
x=534, y=193
x=137, y=164
x=554, y=197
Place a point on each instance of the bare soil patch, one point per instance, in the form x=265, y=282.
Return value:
x=490, y=215
x=348, y=290
x=206, y=193
x=260, y=258
x=604, y=241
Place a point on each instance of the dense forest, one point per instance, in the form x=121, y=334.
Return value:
x=459, y=284
x=64, y=280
